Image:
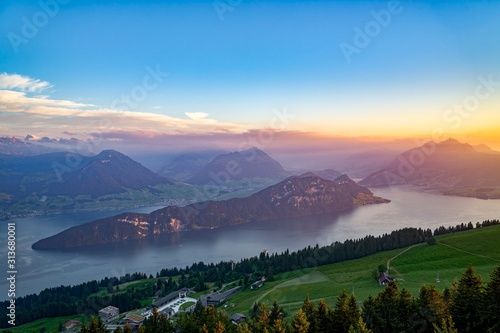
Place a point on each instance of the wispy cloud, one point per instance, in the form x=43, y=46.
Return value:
x=197, y=115
x=22, y=83
x=22, y=109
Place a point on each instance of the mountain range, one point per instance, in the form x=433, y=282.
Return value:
x=15, y=147
x=293, y=197
x=69, y=174
x=451, y=166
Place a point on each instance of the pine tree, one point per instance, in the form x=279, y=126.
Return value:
x=360, y=327
x=279, y=326
x=219, y=327
x=310, y=313
x=276, y=313
x=406, y=311
x=96, y=326
x=491, y=302
x=300, y=324
x=127, y=328
x=446, y=325
x=262, y=318
x=432, y=308
x=243, y=328
x=345, y=313
x=323, y=317
x=466, y=302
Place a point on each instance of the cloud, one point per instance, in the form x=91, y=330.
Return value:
x=157, y=107
x=196, y=115
x=41, y=115
x=22, y=83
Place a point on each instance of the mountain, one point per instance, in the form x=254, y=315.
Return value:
x=185, y=166
x=15, y=147
x=328, y=174
x=482, y=148
x=251, y=163
x=449, y=166
x=71, y=174
x=362, y=164
x=294, y=197
x=107, y=173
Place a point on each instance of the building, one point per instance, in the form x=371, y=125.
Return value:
x=171, y=297
x=217, y=298
x=109, y=314
x=169, y=312
x=70, y=324
x=258, y=283
x=134, y=319
x=385, y=279
x=238, y=318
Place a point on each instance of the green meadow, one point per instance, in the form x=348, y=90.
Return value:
x=412, y=266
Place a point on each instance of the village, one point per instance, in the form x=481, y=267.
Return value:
x=174, y=303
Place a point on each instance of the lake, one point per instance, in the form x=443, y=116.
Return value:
x=41, y=269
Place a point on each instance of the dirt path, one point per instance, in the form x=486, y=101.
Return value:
x=468, y=252
x=312, y=277
x=397, y=255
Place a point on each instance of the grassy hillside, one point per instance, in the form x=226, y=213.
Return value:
x=414, y=266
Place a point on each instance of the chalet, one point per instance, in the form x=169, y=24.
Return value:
x=385, y=279
x=238, y=318
x=109, y=314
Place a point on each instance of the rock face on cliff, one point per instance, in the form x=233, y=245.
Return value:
x=294, y=197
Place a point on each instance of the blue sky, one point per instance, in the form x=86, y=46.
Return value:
x=262, y=56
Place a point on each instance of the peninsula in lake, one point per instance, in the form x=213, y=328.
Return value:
x=296, y=196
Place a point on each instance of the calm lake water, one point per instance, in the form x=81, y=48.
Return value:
x=41, y=269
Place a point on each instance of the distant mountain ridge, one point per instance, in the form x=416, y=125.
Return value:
x=15, y=147
x=293, y=197
x=449, y=166
x=184, y=166
x=250, y=163
x=72, y=174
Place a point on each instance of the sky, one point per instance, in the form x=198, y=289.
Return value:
x=133, y=71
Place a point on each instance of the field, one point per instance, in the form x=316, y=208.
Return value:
x=414, y=266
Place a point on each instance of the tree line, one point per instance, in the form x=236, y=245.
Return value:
x=83, y=298
x=469, y=306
